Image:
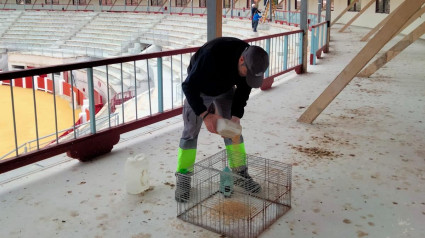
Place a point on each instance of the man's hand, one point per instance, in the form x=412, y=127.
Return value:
x=236, y=120
x=211, y=121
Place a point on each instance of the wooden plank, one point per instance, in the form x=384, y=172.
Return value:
x=388, y=31
x=377, y=27
x=357, y=15
x=343, y=12
x=394, y=51
x=413, y=18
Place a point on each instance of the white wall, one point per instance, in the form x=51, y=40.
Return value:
x=369, y=18
x=3, y=62
x=16, y=58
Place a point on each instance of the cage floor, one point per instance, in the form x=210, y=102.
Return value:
x=240, y=215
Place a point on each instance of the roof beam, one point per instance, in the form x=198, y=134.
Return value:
x=377, y=27
x=393, y=52
x=357, y=16
x=344, y=11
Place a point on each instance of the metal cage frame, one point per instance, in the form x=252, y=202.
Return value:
x=240, y=213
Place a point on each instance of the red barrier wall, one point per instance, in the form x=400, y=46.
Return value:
x=18, y=82
x=80, y=98
x=28, y=82
x=49, y=85
x=67, y=89
x=40, y=82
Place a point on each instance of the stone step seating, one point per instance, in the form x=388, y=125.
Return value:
x=56, y=14
x=114, y=75
x=58, y=21
x=105, y=31
x=23, y=35
x=130, y=16
x=177, y=36
x=97, y=39
x=58, y=18
x=162, y=40
x=105, y=35
x=7, y=18
x=177, y=66
x=36, y=38
x=182, y=38
x=177, y=32
x=28, y=41
x=190, y=31
x=114, y=26
x=186, y=23
x=201, y=41
x=91, y=45
x=192, y=19
x=78, y=49
x=115, y=69
x=25, y=45
x=111, y=32
x=240, y=28
x=34, y=30
x=95, y=42
x=42, y=29
x=188, y=10
x=115, y=79
x=127, y=20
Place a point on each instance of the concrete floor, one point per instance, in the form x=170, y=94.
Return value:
x=358, y=170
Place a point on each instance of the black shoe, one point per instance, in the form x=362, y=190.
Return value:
x=247, y=182
x=182, y=193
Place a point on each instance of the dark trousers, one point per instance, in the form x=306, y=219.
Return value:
x=254, y=25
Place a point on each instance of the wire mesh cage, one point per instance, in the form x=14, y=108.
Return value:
x=237, y=195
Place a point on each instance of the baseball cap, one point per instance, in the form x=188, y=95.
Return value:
x=256, y=61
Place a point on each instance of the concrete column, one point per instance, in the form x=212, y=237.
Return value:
x=319, y=11
x=328, y=24
x=214, y=19
x=304, y=27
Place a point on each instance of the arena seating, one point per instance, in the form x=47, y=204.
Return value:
x=106, y=34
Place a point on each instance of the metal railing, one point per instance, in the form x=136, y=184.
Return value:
x=79, y=130
x=293, y=17
x=153, y=81
x=318, y=41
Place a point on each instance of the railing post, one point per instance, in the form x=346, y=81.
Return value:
x=328, y=25
x=313, y=46
x=14, y=116
x=300, y=52
x=322, y=35
x=91, y=100
x=231, y=9
x=160, y=85
x=285, y=54
x=304, y=27
x=267, y=73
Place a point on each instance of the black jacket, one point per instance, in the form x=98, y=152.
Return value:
x=213, y=70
